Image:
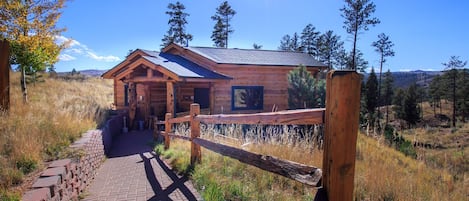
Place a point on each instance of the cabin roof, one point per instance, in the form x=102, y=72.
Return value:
x=181, y=66
x=255, y=57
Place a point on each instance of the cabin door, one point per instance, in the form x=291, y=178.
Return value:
x=202, y=97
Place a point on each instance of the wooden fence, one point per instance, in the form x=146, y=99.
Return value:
x=341, y=128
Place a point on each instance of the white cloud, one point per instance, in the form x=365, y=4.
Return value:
x=109, y=58
x=405, y=70
x=74, y=50
x=66, y=57
x=78, y=49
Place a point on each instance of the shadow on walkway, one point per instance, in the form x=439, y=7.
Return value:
x=129, y=151
x=177, y=182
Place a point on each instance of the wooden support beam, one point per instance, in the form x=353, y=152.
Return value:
x=341, y=130
x=305, y=174
x=149, y=73
x=212, y=97
x=306, y=116
x=170, y=98
x=132, y=103
x=4, y=75
x=196, y=154
x=147, y=102
x=167, y=130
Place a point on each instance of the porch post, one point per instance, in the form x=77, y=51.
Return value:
x=212, y=98
x=147, y=103
x=170, y=98
x=132, y=103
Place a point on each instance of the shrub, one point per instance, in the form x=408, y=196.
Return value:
x=26, y=164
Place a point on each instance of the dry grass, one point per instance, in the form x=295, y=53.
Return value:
x=58, y=112
x=382, y=173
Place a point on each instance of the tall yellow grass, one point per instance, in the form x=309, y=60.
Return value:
x=381, y=173
x=58, y=112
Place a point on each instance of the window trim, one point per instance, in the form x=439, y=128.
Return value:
x=260, y=107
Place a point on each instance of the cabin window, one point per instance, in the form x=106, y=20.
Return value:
x=126, y=95
x=247, y=97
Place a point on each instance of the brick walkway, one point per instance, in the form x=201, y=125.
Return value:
x=132, y=172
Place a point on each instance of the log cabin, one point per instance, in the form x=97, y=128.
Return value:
x=150, y=83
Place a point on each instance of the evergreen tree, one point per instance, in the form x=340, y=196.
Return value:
x=411, y=108
x=291, y=43
x=357, y=14
x=398, y=102
x=384, y=47
x=360, y=63
x=371, y=97
x=435, y=92
x=309, y=37
x=177, y=26
x=329, y=48
x=451, y=75
x=388, y=92
x=304, y=90
x=222, y=27
x=463, y=94
x=256, y=46
x=218, y=34
x=30, y=27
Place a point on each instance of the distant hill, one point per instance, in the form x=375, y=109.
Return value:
x=405, y=79
x=92, y=73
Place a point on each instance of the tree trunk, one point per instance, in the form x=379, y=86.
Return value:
x=379, y=94
x=454, y=100
x=23, y=85
x=354, y=67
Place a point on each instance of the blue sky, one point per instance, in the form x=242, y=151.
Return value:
x=425, y=33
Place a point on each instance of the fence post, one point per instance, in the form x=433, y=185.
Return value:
x=196, y=155
x=167, y=130
x=4, y=75
x=341, y=130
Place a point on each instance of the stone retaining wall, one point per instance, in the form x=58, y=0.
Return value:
x=65, y=179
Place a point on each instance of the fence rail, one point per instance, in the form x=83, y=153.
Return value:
x=341, y=128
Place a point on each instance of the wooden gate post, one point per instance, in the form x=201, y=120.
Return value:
x=167, y=129
x=196, y=154
x=4, y=75
x=341, y=130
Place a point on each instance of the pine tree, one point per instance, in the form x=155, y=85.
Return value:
x=309, y=37
x=371, y=97
x=451, y=76
x=222, y=27
x=290, y=43
x=384, y=47
x=434, y=91
x=360, y=63
x=177, y=26
x=463, y=94
x=304, y=90
x=329, y=49
x=256, y=46
x=398, y=102
x=388, y=92
x=411, y=108
x=30, y=26
x=357, y=14
x=218, y=34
